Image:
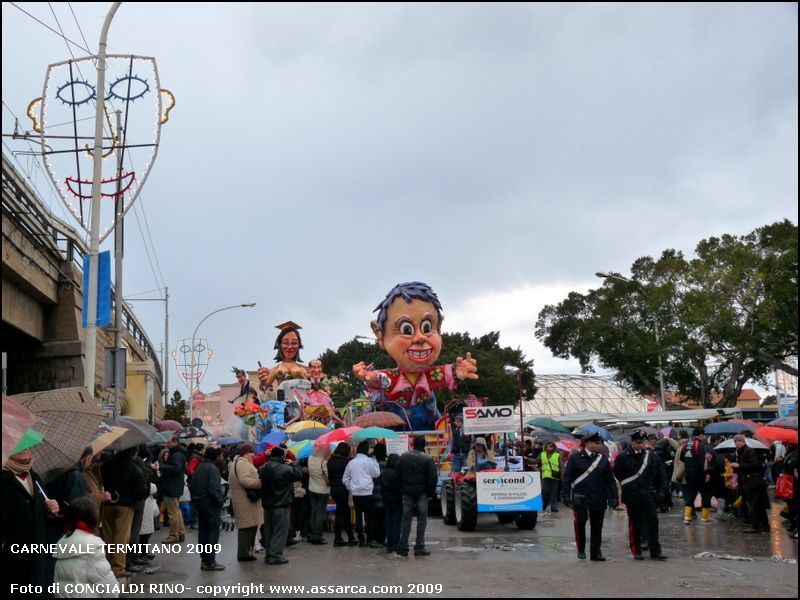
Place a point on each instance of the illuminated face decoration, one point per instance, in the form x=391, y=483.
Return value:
x=192, y=363
x=409, y=326
x=65, y=118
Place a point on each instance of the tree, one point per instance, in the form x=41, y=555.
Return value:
x=726, y=317
x=177, y=409
x=492, y=383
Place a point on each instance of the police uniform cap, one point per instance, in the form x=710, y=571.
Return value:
x=594, y=437
x=639, y=436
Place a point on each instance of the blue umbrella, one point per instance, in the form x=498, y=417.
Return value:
x=229, y=440
x=275, y=437
x=591, y=429
x=726, y=427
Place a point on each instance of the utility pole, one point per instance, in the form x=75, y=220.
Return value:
x=90, y=362
x=118, y=252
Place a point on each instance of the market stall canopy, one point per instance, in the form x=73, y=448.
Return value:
x=672, y=416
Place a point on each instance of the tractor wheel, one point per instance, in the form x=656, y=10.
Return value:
x=467, y=500
x=506, y=517
x=448, y=502
x=527, y=520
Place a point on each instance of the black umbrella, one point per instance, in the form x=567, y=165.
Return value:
x=309, y=434
x=138, y=433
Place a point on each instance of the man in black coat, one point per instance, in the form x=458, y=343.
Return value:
x=644, y=482
x=24, y=510
x=751, y=479
x=590, y=486
x=277, y=484
x=126, y=483
x=207, y=497
x=172, y=472
x=418, y=477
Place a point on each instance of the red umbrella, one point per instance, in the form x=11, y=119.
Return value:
x=337, y=435
x=777, y=434
x=262, y=458
x=168, y=426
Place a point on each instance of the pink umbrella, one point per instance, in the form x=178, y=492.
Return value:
x=337, y=435
x=566, y=445
x=16, y=421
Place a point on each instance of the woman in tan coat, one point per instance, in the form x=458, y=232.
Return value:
x=248, y=513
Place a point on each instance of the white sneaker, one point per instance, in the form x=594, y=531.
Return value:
x=258, y=547
x=394, y=555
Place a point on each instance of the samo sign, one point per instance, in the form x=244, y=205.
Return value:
x=489, y=419
x=505, y=491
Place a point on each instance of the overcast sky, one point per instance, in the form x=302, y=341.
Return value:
x=502, y=153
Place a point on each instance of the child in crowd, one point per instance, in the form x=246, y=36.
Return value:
x=80, y=557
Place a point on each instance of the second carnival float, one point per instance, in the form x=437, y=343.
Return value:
x=292, y=397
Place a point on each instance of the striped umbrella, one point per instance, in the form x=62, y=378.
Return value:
x=301, y=449
x=68, y=418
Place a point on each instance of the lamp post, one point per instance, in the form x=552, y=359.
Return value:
x=655, y=331
x=164, y=369
x=193, y=366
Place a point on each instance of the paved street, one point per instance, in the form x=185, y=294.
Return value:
x=499, y=560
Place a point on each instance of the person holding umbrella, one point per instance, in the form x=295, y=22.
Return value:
x=751, y=480
x=25, y=508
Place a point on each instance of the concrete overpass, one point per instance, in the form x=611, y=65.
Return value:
x=42, y=299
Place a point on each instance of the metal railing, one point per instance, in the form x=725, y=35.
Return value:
x=59, y=241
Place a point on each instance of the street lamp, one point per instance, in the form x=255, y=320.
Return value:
x=655, y=331
x=193, y=366
x=512, y=370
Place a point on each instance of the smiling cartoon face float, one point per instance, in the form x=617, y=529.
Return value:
x=408, y=327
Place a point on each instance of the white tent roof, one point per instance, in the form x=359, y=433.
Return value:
x=568, y=394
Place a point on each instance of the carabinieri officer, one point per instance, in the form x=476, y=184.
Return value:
x=590, y=487
x=644, y=481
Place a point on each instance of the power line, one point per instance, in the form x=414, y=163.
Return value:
x=51, y=29
x=83, y=37
x=152, y=245
x=146, y=249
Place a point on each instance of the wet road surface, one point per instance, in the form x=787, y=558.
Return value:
x=500, y=560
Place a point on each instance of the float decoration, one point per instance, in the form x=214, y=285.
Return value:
x=408, y=328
